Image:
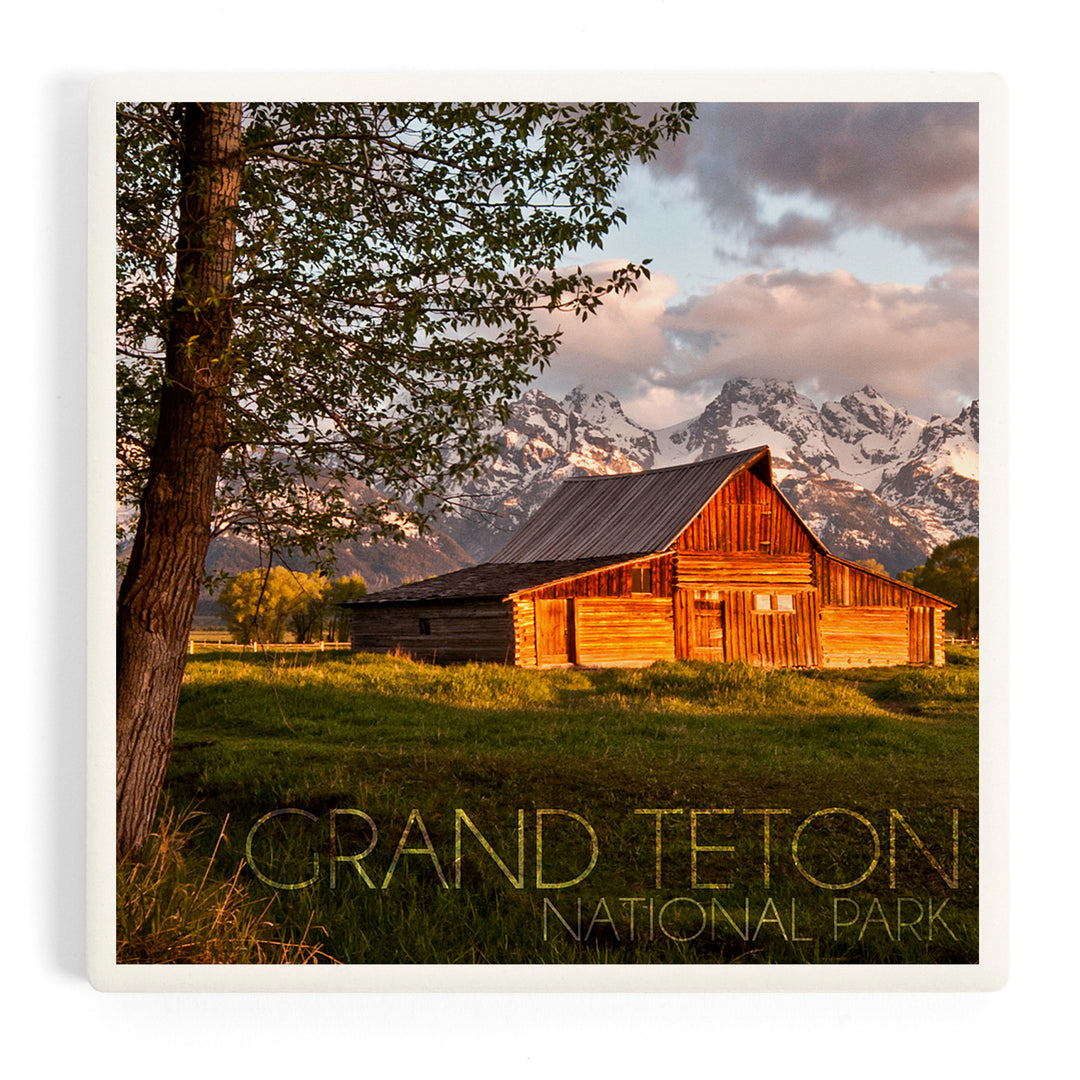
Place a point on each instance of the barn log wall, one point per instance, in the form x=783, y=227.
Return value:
x=921, y=635
x=773, y=638
x=596, y=631
x=864, y=636
x=714, y=609
x=747, y=541
x=597, y=618
x=524, y=615
x=742, y=570
x=474, y=630
x=869, y=619
x=611, y=631
x=842, y=584
x=683, y=629
x=740, y=632
x=555, y=632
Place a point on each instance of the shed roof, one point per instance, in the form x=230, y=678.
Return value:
x=626, y=514
x=489, y=581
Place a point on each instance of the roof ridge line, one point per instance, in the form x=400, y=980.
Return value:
x=668, y=468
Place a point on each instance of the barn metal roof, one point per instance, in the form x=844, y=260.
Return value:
x=489, y=581
x=593, y=522
x=590, y=522
x=622, y=515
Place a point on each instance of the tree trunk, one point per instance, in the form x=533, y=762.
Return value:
x=161, y=586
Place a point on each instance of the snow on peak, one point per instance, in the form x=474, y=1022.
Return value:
x=860, y=447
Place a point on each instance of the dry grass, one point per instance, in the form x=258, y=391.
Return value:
x=162, y=917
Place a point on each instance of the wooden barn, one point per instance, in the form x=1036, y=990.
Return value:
x=703, y=561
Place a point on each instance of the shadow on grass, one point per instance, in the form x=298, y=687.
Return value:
x=323, y=732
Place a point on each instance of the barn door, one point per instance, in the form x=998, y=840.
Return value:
x=554, y=632
x=920, y=635
x=708, y=620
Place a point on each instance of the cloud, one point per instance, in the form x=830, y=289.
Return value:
x=918, y=344
x=829, y=332
x=625, y=338
x=910, y=169
x=796, y=230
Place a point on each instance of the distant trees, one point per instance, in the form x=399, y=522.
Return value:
x=344, y=588
x=952, y=572
x=262, y=605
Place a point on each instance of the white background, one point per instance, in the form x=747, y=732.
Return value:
x=54, y=1017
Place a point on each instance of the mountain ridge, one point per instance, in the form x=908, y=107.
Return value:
x=872, y=480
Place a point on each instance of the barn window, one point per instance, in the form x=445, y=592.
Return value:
x=425, y=627
x=773, y=602
x=641, y=579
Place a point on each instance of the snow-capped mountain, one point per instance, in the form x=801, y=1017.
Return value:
x=869, y=435
x=938, y=483
x=870, y=479
x=755, y=412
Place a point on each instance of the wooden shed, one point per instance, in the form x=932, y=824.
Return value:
x=703, y=561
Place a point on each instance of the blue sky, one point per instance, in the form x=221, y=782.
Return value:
x=832, y=244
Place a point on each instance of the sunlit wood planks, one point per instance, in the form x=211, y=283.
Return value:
x=742, y=570
x=746, y=515
x=622, y=631
x=611, y=581
x=864, y=636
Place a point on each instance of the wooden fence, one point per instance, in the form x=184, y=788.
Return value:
x=268, y=646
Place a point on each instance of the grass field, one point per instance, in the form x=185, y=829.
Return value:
x=412, y=833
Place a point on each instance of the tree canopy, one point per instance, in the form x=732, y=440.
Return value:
x=259, y=605
x=314, y=296
x=262, y=605
x=952, y=572
x=389, y=263
x=351, y=587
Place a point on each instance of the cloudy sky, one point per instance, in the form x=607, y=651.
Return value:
x=832, y=244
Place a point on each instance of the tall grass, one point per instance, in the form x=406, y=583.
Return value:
x=167, y=914
x=733, y=688
x=932, y=684
x=388, y=736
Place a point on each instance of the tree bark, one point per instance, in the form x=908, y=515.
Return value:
x=161, y=586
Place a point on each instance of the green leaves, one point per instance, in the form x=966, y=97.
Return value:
x=391, y=259
x=952, y=572
x=260, y=605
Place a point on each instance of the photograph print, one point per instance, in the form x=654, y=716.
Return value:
x=546, y=538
